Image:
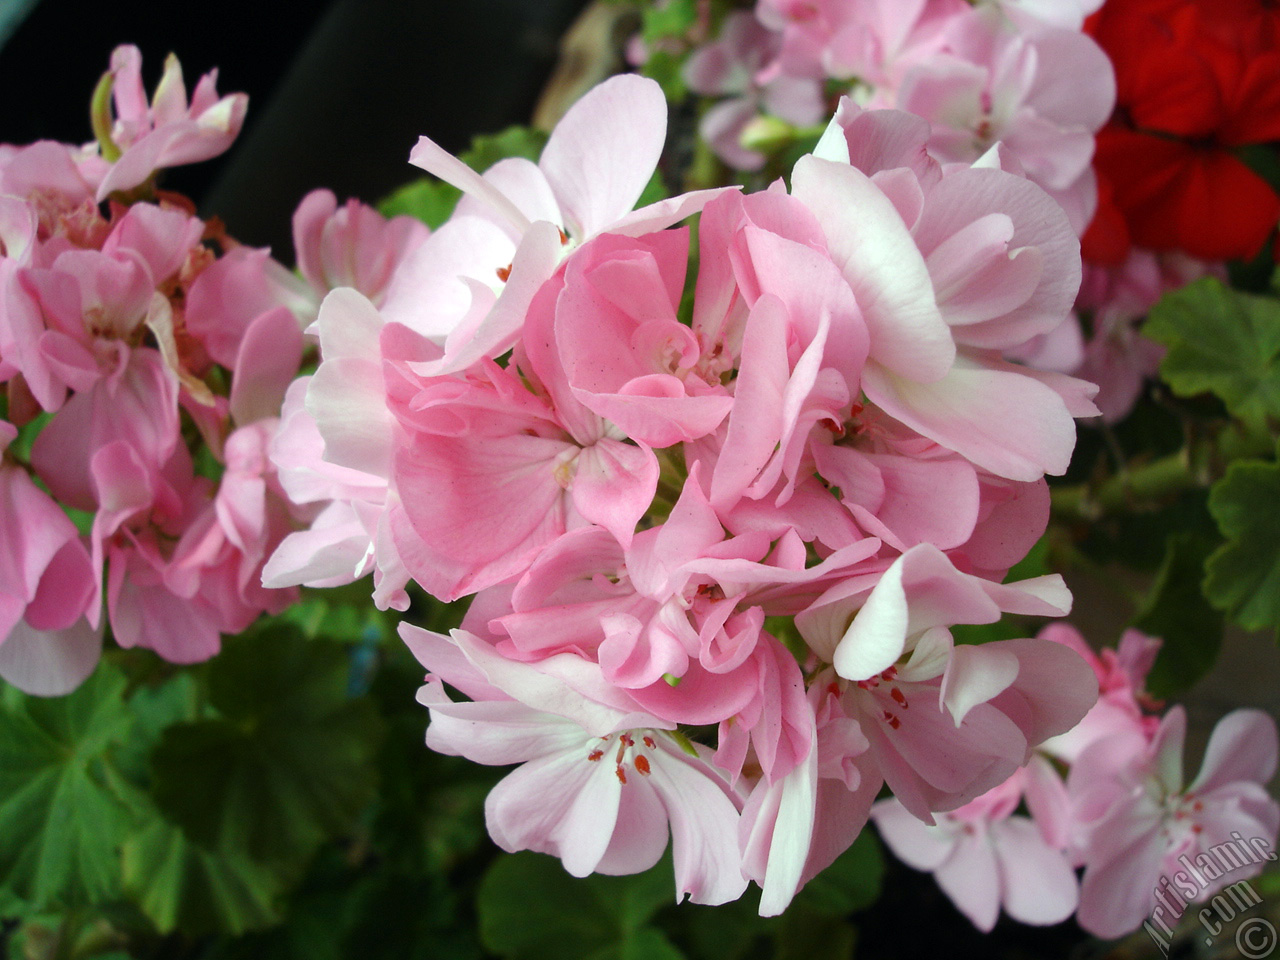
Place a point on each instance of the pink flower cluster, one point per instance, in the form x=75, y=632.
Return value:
x=136, y=341
x=742, y=507
x=1149, y=843
x=1017, y=72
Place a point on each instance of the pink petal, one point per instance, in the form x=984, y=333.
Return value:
x=435, y=160
x=914, y=842
x=266, y=363
x=880, y=260
x=50, y=663
x=970, y=879
x=1001, y=420
x=603, y=152
x=614, y=485
x=1242, y=747
x=704, y=827
x=1037, y=883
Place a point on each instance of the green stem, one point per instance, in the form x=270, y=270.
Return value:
x=100, y=117
x=1158, y=480
x=668, y=492
x=1196, y=466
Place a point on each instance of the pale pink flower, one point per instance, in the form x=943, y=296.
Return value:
x=1150, y=840
x=469, y=285
x=949, y=267
x=599, y=797
x=1042, y=92
x=1122, y=701
x=236, y=289
x=729, y=67
x=335, y=447
x=984, y=858
x=623, y=354
x=799, y=350
x=865, y=41
x=136, y=404
x=945, y=722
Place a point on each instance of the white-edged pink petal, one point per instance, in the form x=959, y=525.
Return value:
x=603, y=151
x=879, y=258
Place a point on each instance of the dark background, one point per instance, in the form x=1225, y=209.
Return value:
x=339, y=90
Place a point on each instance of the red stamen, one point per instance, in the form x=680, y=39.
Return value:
x=622, y=775
x=595, y=755
x=642, y=763
x=648, y=742
x=504, y=273
x=898, y=695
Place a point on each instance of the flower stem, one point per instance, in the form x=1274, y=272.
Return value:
x=1130, y=488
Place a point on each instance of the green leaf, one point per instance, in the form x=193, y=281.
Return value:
x=672, y=19
x=805, y=935
x=154, y=709
x=344, y=614
x=181, y=885
x=1221, y=342
x=63, y=812
x=346, y=910
x=1176, y=611
x=595, y=918
x=667, y=69
x=287, y=764
x=645, y=944
x=428, y=200
x=851, y=883
x=731, y=931
x=1242, y=576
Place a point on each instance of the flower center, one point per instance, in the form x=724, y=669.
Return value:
x=627, y=752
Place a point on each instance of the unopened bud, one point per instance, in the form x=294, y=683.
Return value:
x=766, y=134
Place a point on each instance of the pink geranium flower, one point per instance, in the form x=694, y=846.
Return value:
x=169, y=131
x=470, y=284
x=601, y=797
x=1149, y=838
x=985, y=858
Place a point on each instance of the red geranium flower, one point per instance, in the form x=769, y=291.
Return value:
x=1194, y=81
